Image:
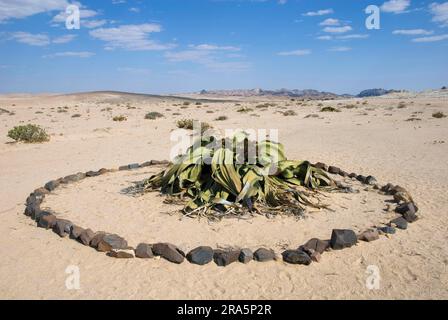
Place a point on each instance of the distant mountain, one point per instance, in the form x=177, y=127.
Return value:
x=375, y=92
x=308, y=93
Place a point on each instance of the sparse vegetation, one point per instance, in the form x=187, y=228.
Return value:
x=221, y=118
x=401, y=105
x=438, y=115
x=189, y=124
x=76, y=115
x=30, y=133
x=119, y=118
x=329, y=109
x=153, y=115
x=244, y=110
x=289, y=113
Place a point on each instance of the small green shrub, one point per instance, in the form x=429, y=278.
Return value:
x=30, y=134
x=244, y=110
x=438, y=115
x=329, y=109
x=153, y=115
x=289, y=113
x=119, y=118
x=188, y=124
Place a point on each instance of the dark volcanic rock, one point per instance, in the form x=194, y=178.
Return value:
x=370, y=180
x=129, y=167
x=52, y=185
x=400, y=223
x=47, y=221
x=352, y=175
x=246, y=256
x=341, y=239
x=343, y=173
x=369, y=235
x=111, y=241
x=146, y=164
x=41, y=192
x=86, y=236
x=75, y=177
x=322, y=166
x=408, y=210
x=387, y=230
x=34, y=199
x=96, y=239
x=406, y=207
x=32, y=210
x=144, y=251
x=334, y=170
x=296, y=257
x=410, y=217
x=361, y=178
x=263, y=255
x=316, y=245
x=121, y=254
x=76, y=232
x=92, y=174
x=223, y=258
x=168, y=251
x=159, y=162
x=386, y=188
x=200, y=255
x=62, y=227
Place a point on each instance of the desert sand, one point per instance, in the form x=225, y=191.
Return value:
x=371, y=136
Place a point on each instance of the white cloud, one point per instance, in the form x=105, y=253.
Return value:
x=211, y=57
x=338, y=29
x=134, y=9
x=86, y=16
x=130, y=37
x=78, y=54
x=91, y=24
x=440, y=12
x=300, y=52
x=324, y=38
x=31, y=39
x=64, y=39
x=212, y=47
x=18, y=9
x=61, y=17
x=340, y=49
x=318, y=13
x=431, y=39
x=330, y=22
x=413, y=32
x=353, y=36
x=187, y=55
x=396, y=6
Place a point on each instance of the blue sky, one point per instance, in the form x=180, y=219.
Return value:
x=167, y=46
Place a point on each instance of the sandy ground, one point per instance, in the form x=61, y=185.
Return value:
x=370, y=137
